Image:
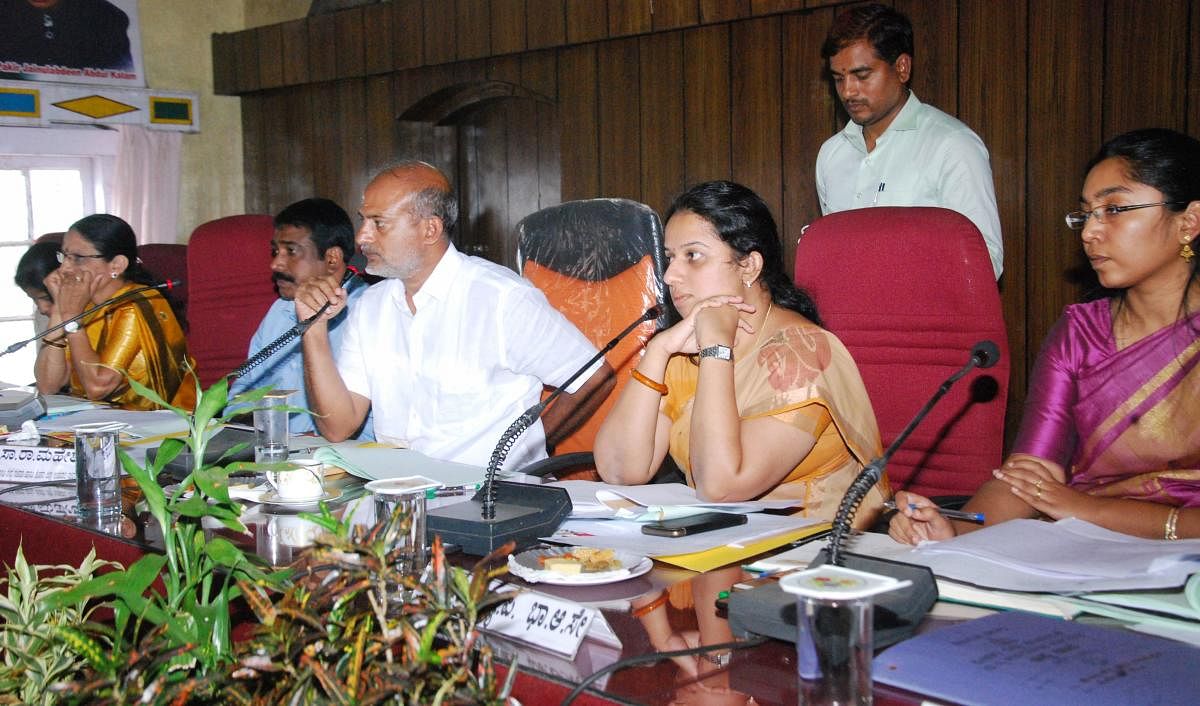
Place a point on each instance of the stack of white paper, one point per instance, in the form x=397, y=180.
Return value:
x=1068, y=556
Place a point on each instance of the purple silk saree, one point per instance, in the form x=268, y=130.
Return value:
x=1124, y=423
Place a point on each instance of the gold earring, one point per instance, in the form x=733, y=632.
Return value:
x=1186, y=251
x=747, y=283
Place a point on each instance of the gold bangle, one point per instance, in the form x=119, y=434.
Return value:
x=650, y=607
x=656, y=386
x=52, y=344
x=1169, y=527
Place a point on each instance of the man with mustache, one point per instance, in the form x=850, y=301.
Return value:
x=897, y=151
x=313, y=238
x=449, y=349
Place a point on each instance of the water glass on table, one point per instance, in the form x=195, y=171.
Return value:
x=271, y=428
x=835, y=632
x=403, y=497
x=97, y=472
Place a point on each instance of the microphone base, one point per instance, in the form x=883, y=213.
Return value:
x=19, y=406
x=767, y=610
x=524, y=513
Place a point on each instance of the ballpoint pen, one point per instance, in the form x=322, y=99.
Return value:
x=976, y=517
x=452, y=491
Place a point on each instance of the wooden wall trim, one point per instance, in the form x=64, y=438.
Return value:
x=346, y=44
x=639, y=104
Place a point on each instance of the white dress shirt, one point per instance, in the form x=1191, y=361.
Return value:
x=924, y=158
x=449, y=380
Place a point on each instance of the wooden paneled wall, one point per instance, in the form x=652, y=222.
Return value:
x=530, y=102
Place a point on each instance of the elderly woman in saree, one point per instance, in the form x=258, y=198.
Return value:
x=138, y=338
x=751, y=397
x=1110, y=432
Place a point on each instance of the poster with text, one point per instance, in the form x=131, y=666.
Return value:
x=71, y=41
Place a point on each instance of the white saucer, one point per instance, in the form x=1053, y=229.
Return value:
x=526, y=565
x=271, y=498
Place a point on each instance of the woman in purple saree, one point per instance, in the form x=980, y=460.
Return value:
x=1111, y=430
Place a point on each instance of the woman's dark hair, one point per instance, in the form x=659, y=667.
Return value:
x=112, y=236
x=743, y=222
x=38, y=261
x=1166, y=160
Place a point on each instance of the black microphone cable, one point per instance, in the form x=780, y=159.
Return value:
x=287, y=336
x=983, y=355
x=169, y=284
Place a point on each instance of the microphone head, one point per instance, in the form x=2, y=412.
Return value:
x=169, y=284
x=985, y=354
x=652, y=313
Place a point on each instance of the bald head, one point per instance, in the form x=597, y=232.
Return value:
x=419, y=187
x=408, y=215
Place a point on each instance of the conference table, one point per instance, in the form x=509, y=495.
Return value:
x=675, y=603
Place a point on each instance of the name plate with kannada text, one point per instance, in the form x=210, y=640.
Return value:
x=36, y=463
x=542, y=621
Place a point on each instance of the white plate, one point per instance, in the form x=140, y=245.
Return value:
x=271, y=498
x=526, y=565
x=402, y=486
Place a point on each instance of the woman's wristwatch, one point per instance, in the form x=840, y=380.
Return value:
x=718, y=351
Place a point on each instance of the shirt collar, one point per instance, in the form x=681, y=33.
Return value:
x=906, y=119
x=440, y=282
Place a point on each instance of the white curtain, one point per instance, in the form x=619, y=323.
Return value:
x=145, y=191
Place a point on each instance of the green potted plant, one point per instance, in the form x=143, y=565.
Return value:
x=189, y=618
x=346, y=627
x=33, y=651
x=354, y=629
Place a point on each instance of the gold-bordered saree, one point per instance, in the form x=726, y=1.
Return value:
x=1126, y=423
x=142, y=337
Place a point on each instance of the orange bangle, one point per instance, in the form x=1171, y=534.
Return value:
x=656, y=386
x=650, y=607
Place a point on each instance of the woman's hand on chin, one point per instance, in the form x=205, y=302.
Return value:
x=72, y=291
x=719, y=317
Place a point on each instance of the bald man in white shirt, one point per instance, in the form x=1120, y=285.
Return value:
x=449, y=349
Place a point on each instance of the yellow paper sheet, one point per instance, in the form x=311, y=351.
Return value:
x=724, y=555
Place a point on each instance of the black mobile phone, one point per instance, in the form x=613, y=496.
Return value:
x=693, y=524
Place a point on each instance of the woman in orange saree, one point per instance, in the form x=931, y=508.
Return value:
x=756, y=400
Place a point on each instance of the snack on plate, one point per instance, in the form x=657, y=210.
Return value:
x=581, y=560
x=562, y=565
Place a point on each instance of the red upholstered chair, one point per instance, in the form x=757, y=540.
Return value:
x=230, y=289
x=169, y=261
x=599, y=262
x=909, y=291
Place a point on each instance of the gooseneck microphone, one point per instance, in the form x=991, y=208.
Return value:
x=503, y=511
x=983, y=355
x=168, y=285
x=290, y=335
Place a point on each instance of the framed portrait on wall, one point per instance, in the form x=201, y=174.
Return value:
x=71, y=41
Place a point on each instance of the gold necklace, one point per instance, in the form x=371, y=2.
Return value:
x=763, y=325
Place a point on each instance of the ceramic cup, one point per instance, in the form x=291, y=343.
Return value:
x=305, y=482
